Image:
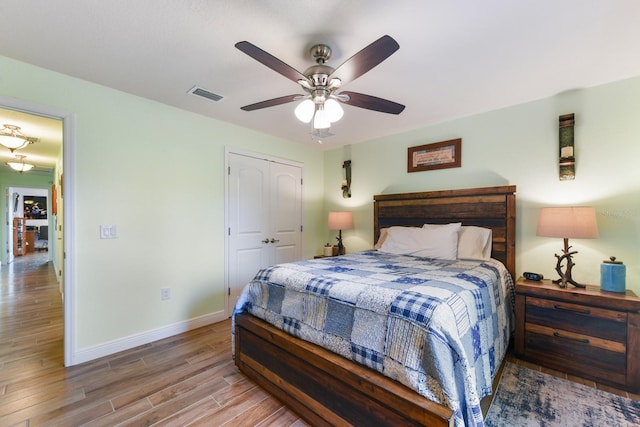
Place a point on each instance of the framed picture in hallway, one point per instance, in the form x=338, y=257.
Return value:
x=35, y=207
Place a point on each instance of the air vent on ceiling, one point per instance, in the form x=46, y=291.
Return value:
x=205, y=94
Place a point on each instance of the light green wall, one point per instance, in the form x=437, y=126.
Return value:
x=157, y=173
x=519, y=145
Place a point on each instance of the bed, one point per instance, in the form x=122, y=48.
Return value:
x=326, y=388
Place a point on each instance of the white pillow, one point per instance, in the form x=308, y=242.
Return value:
x=473, y=242
x=439, y=242
x=381, y=239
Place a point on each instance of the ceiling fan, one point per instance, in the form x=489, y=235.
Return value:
x=322, y=82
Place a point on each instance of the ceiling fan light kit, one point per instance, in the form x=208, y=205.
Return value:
x=320, y=104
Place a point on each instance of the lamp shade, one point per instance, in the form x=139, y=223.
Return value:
x=573, y=222
x=333, y=109
x=304, y=111
x=340, y=220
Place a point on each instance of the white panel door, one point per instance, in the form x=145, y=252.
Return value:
x=286, y=212
x=264, y=218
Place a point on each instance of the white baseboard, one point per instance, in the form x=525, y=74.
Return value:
x=126, y=343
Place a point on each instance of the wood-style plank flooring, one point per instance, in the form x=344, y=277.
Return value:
x=185, y=380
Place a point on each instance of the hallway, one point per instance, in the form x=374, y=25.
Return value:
x=31, y=315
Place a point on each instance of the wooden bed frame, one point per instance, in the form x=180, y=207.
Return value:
x=328, y=390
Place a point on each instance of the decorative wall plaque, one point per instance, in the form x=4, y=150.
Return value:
x=567, y=158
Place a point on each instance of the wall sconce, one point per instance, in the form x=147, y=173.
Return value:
x=346, y=183
x=567, y=159
x=340, y=221
x=567, y=222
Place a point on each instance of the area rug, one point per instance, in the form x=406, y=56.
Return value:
x=531, y=398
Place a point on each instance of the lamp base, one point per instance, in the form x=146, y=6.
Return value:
x=341, y=250
x=565, y=276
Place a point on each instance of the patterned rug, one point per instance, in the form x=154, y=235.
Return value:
x=532, y=398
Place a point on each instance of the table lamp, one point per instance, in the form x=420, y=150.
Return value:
x=340, y=221
x=575, y=222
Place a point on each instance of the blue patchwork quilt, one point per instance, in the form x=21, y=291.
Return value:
x=439, y=327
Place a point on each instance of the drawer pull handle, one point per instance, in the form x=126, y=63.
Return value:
x=580, y=340
x=573, y=310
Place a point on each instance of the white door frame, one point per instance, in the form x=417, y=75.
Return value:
x=69, y=186
x=227, y=152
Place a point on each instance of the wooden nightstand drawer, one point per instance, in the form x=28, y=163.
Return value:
x=575, y=353
x=585, y=332
x=576, y=318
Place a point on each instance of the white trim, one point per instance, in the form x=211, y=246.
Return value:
x=257, y=155
x=69, y=255
x=126, y=343
x=69, y=240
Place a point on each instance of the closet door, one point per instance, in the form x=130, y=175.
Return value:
x=286, y=213
x=264, y=205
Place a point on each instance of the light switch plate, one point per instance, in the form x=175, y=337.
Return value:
x=108, y=232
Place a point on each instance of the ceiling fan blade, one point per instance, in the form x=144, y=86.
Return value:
x=366, y=59
x=372, y=103
x=272, y=102
x=270, y=61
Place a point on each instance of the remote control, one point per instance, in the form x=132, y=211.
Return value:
x=532, y=276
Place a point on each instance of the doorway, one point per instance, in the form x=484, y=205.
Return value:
x=62, y=234
x=29, y=224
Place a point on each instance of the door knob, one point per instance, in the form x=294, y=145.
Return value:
x=274, y=240
x=265, y=241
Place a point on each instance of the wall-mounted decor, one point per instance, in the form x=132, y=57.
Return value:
x=439, y=155
x=346, y=183
x=567, y=159
x=35, y=207
x=54, y=200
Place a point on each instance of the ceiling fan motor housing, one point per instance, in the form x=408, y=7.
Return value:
x=319, y=74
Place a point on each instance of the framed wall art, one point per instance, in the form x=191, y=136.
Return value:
x=439, y=155
x=35, y=207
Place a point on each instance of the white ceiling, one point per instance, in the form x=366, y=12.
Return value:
x=456, y=57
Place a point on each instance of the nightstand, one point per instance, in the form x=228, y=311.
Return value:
x=585, y=332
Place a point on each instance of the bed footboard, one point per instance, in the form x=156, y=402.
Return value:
x=324, y=388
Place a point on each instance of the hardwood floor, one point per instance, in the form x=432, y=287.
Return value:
x=185, y=380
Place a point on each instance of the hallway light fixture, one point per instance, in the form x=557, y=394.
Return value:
x=13, y=139
x=19, y=165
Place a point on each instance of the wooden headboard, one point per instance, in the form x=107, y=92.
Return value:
x=490, y=207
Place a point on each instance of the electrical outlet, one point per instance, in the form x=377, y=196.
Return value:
x=165, y=294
